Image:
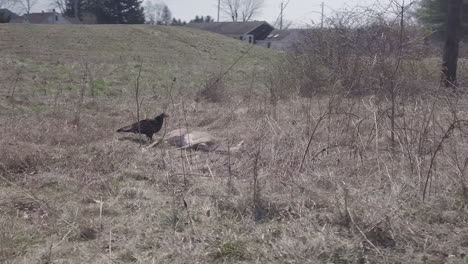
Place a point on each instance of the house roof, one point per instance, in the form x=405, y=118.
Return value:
x=229, y=28
x=8, y=12
x=38, y=18
x=278, y=35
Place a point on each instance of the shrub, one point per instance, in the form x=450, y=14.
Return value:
x=4, y=18
x=18, y=157
x=214, y=89
x=360, y=56
x=229, y=250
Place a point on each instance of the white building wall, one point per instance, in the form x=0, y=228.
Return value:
x=56, y=19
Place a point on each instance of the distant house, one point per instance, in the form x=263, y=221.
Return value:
x=6, y=15
x=282, y=39
x=251, y=32
x=45, y=18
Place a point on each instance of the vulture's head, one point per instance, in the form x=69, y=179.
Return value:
x=162, y=116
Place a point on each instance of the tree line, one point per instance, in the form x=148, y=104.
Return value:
x=133, y=11
x=125, y=12
x=105, y=11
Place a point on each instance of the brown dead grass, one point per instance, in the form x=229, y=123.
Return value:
x=22, y=158
x=351, y=202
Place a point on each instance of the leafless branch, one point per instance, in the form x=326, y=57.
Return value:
x=8, y=4
x=242, y=10
x=27, y=5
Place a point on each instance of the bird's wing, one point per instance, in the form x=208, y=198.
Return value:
x=125, y=129
x=134, y=127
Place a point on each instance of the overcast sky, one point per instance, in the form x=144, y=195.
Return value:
x=301, y=12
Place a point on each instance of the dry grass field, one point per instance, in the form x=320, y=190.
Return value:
x=293, y=180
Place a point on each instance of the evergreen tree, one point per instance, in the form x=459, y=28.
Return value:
x=433, y=13
x=4, y=17
x=122, y=12
x=91, y=6
x=208, y=19
x=166, y=16
x=108, y=11
x=202, y=19
x=178, y=22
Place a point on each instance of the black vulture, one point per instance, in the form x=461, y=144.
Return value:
x=148, y=127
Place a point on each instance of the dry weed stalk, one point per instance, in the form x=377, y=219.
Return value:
x=138, y=101
x=432, y=162
x=309, y=142
x=12, y=88
x=79, y=104
x=89, y=77
x=214, y=83
x=56, y=213
x=257, y=206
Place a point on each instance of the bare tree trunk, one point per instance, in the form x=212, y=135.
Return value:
x=219, y=9
x=281, y=16
x=60, y=5
x=450, y=59
x=75, y=8
x=27, y=5
x=138, y=102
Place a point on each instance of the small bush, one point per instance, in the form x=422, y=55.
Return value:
x=279, y=81
x=21, y=157
x=99, y=86
x=229, y=250
x=214, y=89
x=4, y=18
x=127, y=257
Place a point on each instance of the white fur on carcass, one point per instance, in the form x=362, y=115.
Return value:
x=184, y=138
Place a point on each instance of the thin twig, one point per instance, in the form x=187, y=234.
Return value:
x=138, y=103
x=434, y=155
x=310, y=140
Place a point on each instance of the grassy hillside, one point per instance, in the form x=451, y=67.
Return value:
x=111, y=43
x=112, y=53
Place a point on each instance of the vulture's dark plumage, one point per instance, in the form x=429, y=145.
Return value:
x=148, y=127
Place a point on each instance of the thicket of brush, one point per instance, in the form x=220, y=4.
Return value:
x=352, y=154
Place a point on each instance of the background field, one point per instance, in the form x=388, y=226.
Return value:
x=316, y=180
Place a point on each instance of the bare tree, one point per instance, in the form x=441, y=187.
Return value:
x=153, y=12
x=27, y=5
x=250, y=8
x=231, y=8
x=61, y=5
x=281, y=22
x=8, y=4
x=242, y=10
x=450, y=59
x=58, y=4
